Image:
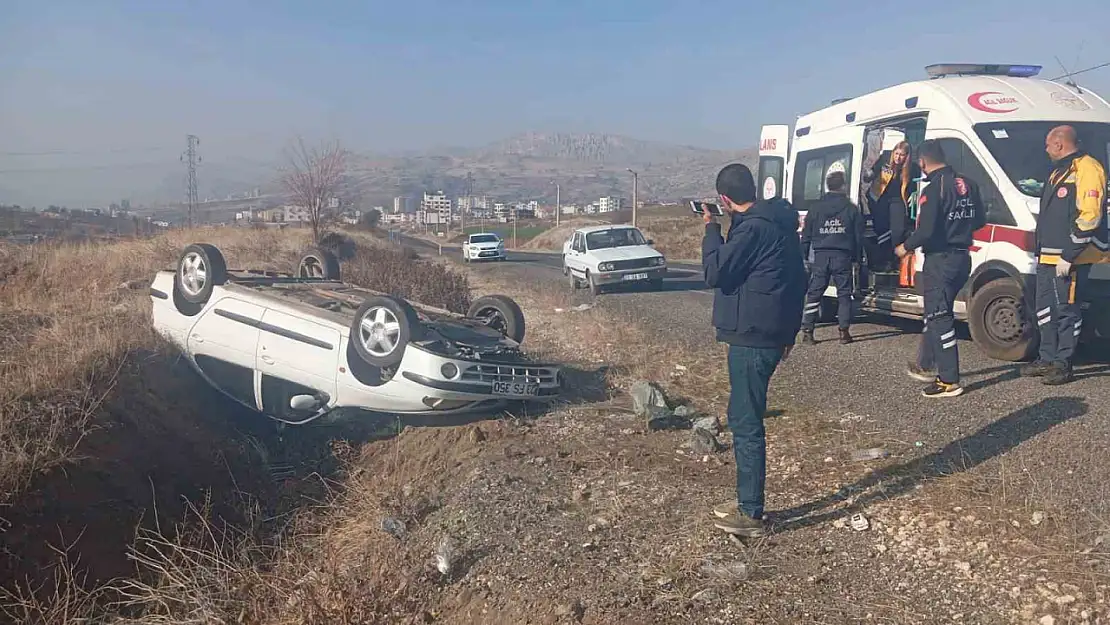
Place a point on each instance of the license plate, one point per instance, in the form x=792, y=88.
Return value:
x=516, y=388
x=635, y=276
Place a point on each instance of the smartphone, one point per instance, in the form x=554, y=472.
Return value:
x=701, y=207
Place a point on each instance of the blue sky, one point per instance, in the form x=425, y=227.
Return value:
x=120, y=82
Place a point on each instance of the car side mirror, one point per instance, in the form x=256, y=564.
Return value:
x=651, y=241
x=303, y=402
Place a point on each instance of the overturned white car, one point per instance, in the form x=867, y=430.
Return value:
x=298, y=346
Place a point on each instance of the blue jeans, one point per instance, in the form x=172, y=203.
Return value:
x=749, y=373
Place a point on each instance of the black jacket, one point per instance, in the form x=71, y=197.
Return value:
x=833, y=224
x=1072, y=223
x=949, y=211
x=758, y=276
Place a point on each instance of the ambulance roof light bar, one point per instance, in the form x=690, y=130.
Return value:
x=940, y=70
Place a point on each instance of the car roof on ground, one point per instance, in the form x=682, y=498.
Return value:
x=591, y=229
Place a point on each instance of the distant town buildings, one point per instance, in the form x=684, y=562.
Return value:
x=608, y=204
x=435, y=208
x=400, y=205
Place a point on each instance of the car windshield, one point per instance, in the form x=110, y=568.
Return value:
x=1019, y=148
x=483, y=238
x=614, y=237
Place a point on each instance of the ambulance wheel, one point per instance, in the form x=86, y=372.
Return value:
x=1000, y=323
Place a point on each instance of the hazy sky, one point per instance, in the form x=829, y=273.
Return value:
x=117, y=84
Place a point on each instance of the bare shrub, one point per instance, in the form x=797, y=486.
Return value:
x=392, y=270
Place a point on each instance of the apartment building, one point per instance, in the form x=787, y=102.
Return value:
x=608, y=204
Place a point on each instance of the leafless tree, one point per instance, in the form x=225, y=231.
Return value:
x=312, y=176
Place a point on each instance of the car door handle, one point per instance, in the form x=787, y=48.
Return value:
x=196, y=337
x=266, y=359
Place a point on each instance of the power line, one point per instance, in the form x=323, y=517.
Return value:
x=33, y=170
x=1083, y=71
x=85, y=152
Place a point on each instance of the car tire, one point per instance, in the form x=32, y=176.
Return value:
x=386, y=348
x=500, y=312
x=320, y=264
x=595, y=289
x=200, y=268
x=1000, y=321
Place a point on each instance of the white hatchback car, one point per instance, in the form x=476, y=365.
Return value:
x=298, y=346
x=483, y=246
x=598, y=256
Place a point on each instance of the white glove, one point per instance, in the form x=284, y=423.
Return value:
x=1062, y=268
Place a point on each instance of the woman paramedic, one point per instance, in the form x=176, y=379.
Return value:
x=891, y=180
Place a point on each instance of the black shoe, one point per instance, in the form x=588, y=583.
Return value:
x=1036, y=369
x=942, y=389
x=1059, y=374
x=845, y=337
x=919, y=374
x=807, y=338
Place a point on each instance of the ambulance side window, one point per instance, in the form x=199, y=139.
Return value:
x=811, y=168
x=964, y=161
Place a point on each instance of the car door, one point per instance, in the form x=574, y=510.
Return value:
x=578, y=254
x=296, y=356
x=223, y=343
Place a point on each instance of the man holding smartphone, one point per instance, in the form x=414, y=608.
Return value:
x=759, y=281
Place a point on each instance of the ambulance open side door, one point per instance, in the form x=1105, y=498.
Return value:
x=774, y=142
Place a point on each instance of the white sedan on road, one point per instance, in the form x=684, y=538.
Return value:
x=599, y=256
x=483, y=246
x=299, y=346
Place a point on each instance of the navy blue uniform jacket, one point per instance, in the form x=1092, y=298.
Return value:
x=758, y=276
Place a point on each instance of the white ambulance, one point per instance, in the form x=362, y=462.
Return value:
x=991, y=121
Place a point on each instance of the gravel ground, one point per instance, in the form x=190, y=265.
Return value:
x=1055, y=436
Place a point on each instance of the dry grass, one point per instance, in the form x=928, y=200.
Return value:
x=335, y=565
x=677, y=237
x=71, y=318
x=72, y=314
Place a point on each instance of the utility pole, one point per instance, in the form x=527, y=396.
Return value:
x=635, y=190
x=514, y=227
x=558, y=203
x=191, y=158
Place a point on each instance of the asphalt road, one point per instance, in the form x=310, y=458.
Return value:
x=1058, y=436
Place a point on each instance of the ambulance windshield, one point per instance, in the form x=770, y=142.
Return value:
x=1019, y=148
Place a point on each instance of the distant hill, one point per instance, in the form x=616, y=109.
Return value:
x=586, y=166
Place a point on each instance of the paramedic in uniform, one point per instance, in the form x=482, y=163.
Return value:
x=949, y=212
x=1071, y=235
x=833, y=228
x=888, y=197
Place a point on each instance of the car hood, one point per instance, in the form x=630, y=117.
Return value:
x=628, y=252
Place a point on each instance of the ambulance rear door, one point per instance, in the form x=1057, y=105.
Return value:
x=774, y=143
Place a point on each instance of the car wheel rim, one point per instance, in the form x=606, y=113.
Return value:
x=492, y=318
x=1003, y=320
x=310, y=268
x=194, y=273
x=379, y=331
